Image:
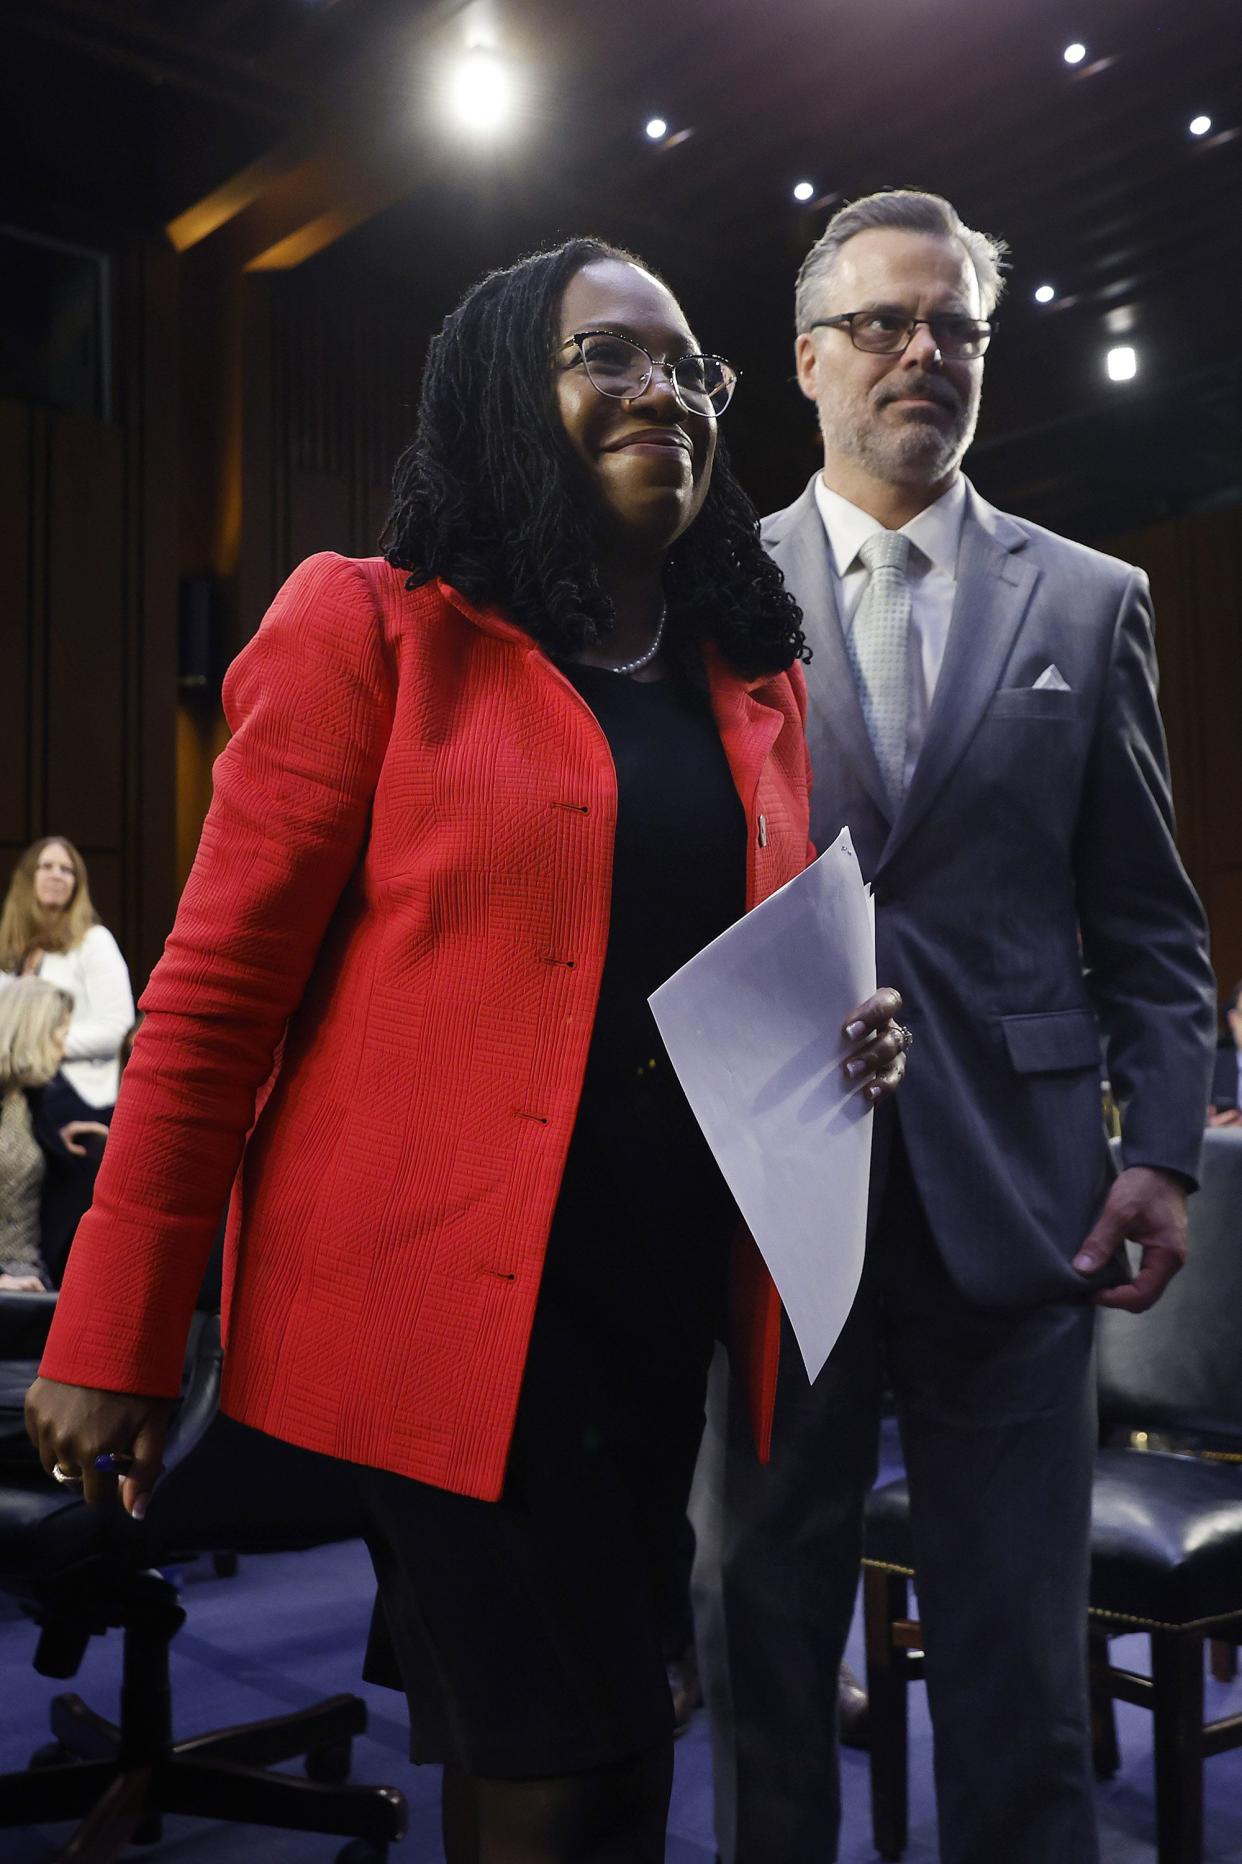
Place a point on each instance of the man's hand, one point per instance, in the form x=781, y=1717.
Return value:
x=1149, y=1207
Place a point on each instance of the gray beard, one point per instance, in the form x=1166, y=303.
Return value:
x=918, y=452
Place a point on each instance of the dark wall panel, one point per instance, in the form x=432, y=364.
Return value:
x=318, y=514
x=15, y=622
x=86, y=723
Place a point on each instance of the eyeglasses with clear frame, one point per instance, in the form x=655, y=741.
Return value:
x=890, y=333
x=617, y=366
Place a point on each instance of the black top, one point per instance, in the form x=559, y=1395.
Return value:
x=679, y=879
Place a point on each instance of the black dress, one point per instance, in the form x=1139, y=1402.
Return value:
x=527, y=1632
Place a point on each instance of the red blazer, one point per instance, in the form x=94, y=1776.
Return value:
x=411, y=832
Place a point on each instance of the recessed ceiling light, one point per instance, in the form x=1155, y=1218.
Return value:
x=1044, y=294
x=1074, y=54
x=804, y=191
x=657, y=129
x=481, y=92
x=1121, y=363
x=1200, y=125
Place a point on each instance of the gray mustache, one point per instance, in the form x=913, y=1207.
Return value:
x=932, y=391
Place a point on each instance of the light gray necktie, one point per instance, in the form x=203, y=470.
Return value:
x=879, y=648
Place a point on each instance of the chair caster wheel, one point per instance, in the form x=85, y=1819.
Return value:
x=329, y=1766
x=51, y=1754
x=362, y=1851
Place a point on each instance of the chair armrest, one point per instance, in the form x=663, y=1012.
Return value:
x=24, y=1323
x=200, y=1397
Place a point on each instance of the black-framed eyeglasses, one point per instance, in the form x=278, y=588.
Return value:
x=616, y=365
x=889, y=333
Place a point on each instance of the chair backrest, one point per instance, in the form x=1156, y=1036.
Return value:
x=1179, y=1366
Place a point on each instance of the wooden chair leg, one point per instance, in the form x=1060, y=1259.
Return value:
x=885, y=1602
x=1224, y=1659
x=1105, y=1752
x=1177, y=1679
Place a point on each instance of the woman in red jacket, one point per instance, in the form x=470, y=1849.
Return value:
x=481, y=798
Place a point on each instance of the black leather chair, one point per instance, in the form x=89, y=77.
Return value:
x=80, y=1572
x=1166, y=1536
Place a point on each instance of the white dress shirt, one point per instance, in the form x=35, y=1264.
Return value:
x=936, y=533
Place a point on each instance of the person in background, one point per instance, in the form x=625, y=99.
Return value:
x=481, y=798
x=1225, y=1106
x=49, y=929
x=34, y=1022
x=982, y=712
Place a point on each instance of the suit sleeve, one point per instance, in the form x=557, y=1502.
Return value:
x=310, y=704
x=1143, y=929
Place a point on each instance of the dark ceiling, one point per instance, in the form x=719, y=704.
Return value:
x=128, y=114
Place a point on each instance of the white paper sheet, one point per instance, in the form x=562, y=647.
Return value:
x=752, y=1025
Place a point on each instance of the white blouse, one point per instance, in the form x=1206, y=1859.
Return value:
x=97, y=978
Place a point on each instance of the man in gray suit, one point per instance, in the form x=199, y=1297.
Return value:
x=983, y=716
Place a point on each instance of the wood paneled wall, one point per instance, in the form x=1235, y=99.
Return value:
x=1195, y=566
x=88, y=610
x=257, y=420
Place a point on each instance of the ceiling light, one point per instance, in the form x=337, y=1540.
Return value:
x=804, y=191
x=1200, y=125
x=481, y=92
x=1044, y=294
x=1074, y=54
x=657, y=129
x=1121, y=363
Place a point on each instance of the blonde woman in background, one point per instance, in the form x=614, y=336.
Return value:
x=49, y=929
x=34, y=1022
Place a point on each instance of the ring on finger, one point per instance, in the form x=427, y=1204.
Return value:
x=907, y=1037
x=112, y=1463
x=61, y=1474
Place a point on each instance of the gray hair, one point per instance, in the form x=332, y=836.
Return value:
x=904, y=210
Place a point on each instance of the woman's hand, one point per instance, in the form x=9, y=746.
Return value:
x=72, y=1135
x=20, y=1284
x=72, y=1426
x=877, y=1061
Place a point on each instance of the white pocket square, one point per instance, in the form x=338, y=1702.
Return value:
x=1051, y=680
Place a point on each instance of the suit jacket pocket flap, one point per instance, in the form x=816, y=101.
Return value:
x=1035, y=702
x=1056, y=1039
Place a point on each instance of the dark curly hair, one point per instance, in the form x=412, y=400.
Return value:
x=490, y=497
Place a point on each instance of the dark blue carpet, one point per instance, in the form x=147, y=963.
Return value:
x=290, y=1628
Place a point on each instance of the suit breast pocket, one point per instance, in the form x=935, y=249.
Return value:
x=1046, y=703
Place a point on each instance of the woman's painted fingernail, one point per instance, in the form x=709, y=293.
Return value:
x=855, y=1068
x=854, y=1030
x=139, y=1508
x=874, y=1090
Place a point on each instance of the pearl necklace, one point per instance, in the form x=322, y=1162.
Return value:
x=645, y=660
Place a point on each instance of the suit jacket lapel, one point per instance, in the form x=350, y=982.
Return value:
x=835, y=724
x=994, y=585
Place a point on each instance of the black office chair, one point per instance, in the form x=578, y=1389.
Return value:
x=80, y=1572
x=1166, y=1531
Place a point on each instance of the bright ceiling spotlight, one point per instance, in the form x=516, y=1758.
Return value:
x=1200, y=125
x=1044, y=294
x=1074, y=54
x=481, y=92
x=1121, y=363
x=657, y=129
x=804, y=191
